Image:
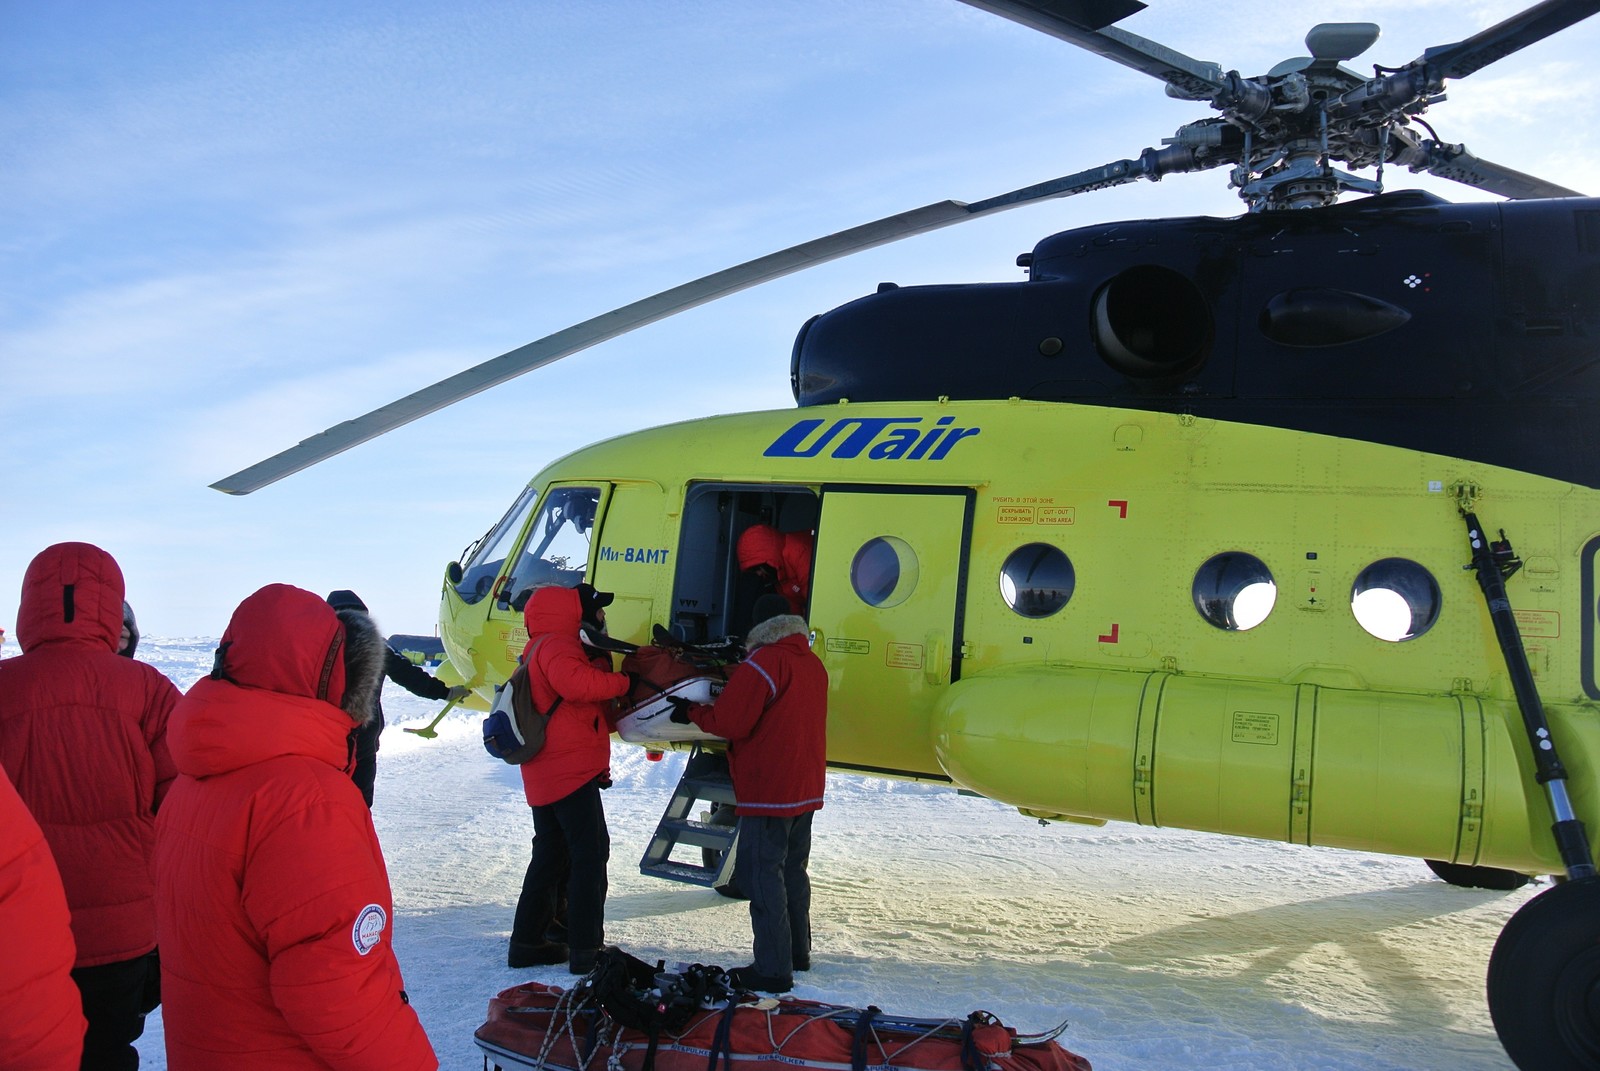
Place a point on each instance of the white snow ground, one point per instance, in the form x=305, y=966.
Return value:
x=1163, y=949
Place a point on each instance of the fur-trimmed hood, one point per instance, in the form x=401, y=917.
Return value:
x=364, y=649
x=774, y=629
x=284, y=639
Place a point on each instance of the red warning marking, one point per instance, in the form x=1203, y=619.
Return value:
x=1112, y=637
x=1121, y=505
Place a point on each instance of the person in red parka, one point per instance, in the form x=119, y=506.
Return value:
x=273, y=898
x=780, y=562
x=83, y=739
x=562, y=782
x=42, y=1029
x=774, y=715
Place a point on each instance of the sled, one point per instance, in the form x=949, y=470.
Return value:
x=535, y=1027
x=685, y=672
x=650, y=722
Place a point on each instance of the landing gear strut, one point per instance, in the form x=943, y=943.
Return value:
x=1544, y=973
x=1494, y=562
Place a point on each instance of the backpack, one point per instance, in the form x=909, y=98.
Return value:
x=651, y=1000
x=514, y=730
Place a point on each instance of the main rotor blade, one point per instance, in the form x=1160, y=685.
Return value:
x=609, y=325
x=1456, y=163
x=1426, y=75
x=1087, y=24
x=1502, y=39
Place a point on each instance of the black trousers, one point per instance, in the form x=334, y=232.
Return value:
x=770, y=868
x=116, y=998
x=365, y=775
x=571, y=844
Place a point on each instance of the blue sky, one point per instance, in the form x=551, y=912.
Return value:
x=229, y=226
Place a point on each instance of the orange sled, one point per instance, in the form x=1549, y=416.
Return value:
x=534, y=1027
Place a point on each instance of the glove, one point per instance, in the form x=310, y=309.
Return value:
x=457, y=693
x=680, y=709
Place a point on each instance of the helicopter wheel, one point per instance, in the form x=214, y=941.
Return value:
x=1544, y=980
x=1478, y=877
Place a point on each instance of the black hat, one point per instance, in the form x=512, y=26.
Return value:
x=346, y=600
x=769, y=606
x=130, y=623
x=593, y=601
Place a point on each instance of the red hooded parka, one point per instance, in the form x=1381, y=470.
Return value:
x=774, y=715
x=577, y=739
x=42, y=1029
x=789, y=554
x=83, y=739
x=274, y=902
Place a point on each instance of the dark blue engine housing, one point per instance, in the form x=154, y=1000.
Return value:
x=1471, y=330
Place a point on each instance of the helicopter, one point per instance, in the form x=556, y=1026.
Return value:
x=1204, y=524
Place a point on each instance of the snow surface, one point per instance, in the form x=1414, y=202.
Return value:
x=1162, y=949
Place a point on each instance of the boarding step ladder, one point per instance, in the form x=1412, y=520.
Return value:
x=705, y=779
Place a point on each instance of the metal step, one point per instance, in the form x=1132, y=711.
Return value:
x=714, y=789
x=681, y=826
x=687, y=873
x=699, y=834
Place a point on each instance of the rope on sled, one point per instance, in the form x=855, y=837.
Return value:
x=565, y=1012
x=864, y=1028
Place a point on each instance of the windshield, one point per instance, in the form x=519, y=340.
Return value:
x=557, y=551
x=479, y=571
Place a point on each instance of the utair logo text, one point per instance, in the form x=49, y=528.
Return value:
x=882, y=438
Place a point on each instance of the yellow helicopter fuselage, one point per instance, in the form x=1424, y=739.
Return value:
x=1100, y=614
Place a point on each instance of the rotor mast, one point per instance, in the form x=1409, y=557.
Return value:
x=1280, y=133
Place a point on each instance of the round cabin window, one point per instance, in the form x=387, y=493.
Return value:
x=884, y=571
x=1234, y=591
x=1037, y=580
x=1395, y=599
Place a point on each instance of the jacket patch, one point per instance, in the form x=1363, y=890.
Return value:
x=367, y=933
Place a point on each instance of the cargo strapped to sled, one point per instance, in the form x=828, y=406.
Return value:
x=534, y=1027
x=662, y=673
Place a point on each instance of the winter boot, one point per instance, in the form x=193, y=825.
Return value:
x=526, y=954
x=750, y=978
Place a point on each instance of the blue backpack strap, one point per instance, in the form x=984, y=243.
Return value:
x=971, y=1058
x=858, y=1044
x=722, y=1039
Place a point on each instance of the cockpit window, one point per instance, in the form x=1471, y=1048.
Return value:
x=557, y=551
x=479, y=571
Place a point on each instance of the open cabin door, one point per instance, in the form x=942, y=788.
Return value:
x=886, y=602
